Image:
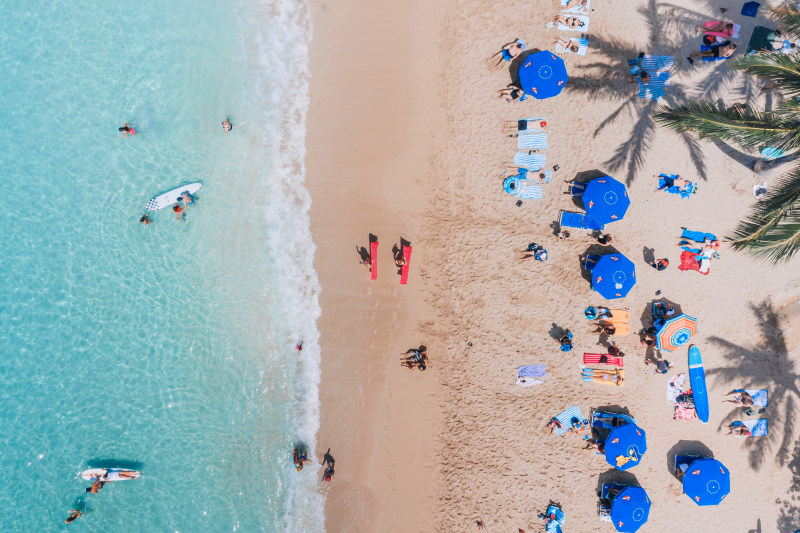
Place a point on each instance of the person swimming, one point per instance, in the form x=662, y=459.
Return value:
x=299, y=460
x=145, y=220
x=186, y=198
x=226, y=125
x=127, y=129
x=73, y=515
x=178, y=210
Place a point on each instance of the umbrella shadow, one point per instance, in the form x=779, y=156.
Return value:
x=516, y=64
x=583, y=178
x=616, y=476
x=686, y=447
x=766, y=361
x=593, y=249
x=647, y=314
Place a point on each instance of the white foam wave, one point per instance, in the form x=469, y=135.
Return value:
x=277, y=48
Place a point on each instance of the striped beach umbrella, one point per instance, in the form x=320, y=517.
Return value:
x=676, y=332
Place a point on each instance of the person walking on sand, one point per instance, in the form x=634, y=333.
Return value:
x=508, y=52
x=227, y=126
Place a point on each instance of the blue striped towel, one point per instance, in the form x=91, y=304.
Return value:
x=657, y=64
x=527, y=190
x=566, y=419
x=529, y=161
x=758, y=428
x=583, y=45
x=759, y=396
x=658, y=67
x=532, y=141
x=578, y=220
x=574, y=6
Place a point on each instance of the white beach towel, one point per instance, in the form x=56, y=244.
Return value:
x=583, y=45
x=561, y=27
x=574, y=6
x=675, y=387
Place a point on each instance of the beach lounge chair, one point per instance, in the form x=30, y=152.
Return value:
x=529, y=161
x=568, y=219
x=572, y=420
x=532, y=141
x=686, y=459
x=607, y=493
x=758, y=428
x=591, y=261
x=606, y=420
x=576, y=189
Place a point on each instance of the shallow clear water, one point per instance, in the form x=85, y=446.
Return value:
x=169, y=347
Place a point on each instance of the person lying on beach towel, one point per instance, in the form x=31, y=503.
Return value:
x=525, y=125
x=674, y=184
x=568, y=21
x=508, y=52
x=512, y=93
x=740, y=398
x=716, y=30
x=713, y=53
x=738, y=430
x=571, y=45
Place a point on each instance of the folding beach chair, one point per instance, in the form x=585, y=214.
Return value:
x=684, y=459
x=578, y=220
x=600, y=419
x=591, y=261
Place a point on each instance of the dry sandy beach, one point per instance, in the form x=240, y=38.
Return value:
x=405, y=141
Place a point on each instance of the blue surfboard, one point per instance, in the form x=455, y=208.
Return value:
x=697, y=377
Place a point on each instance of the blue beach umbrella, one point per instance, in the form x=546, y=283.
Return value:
x=625, y=446
x=605, y=199
x=613, y=276
x=630, y=509
x=542, y=74
x=676, y=332
x=707, y=481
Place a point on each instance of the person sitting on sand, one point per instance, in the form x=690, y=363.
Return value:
x=662, y=365
x=740, y=398
x=533, y=251
x=614, y=351
x=660, y=264
x=299, y=459
x=681, y=471
x=563, y=234
x=594, y=444
x=568, y=44
x=399, y=260
x=226, y=125
x=570, y=22
x=643, y=77
x=604, y=239
x=604, y=313
x=512, y=93
x=145, y=220
x=717, y=51
x=566, y=341
x=647, y=339
x=524, y=126
x=738, y=430
x=508, y=52
x=416, y=355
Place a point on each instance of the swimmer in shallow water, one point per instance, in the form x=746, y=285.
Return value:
x=145, y=220
x=226, y=125
x=127, y=129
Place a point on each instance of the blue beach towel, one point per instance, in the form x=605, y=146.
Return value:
x=658, y=68
x=529, y=161
x=578, y=220
x=758, y=428
x=566, y=417
x=696, y=236
x=522, y=188
x=665, y=183
x=532, y=371
x=750, y=9
x=532, y=141
x=759, y=396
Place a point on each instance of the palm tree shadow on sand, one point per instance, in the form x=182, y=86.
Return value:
x=606, y=79
x=748, y=368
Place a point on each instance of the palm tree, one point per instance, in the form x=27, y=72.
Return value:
x=772, y=229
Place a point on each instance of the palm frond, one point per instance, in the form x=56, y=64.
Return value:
x=789, y=15
x=772, y=230
x=748, y=128
x=781, y=69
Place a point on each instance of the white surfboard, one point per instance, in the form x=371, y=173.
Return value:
x=113, y=474
x=169, y=198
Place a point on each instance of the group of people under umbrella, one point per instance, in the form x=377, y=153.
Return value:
x=705, y=480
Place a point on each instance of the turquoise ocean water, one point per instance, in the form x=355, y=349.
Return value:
x=169, y=347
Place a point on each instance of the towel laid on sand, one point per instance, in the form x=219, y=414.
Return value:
x=665, y=182
x=675, y=387
x=527, y=374
x=567, y=418
x=583, y=45
x=757, y=428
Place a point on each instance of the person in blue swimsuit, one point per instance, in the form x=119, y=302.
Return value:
x=507, y=53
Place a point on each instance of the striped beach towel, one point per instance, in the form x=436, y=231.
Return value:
x=532, y=141
x=528, y=191
x=529, y=161
x=658, y=68
x=574, y=6
x=566, y=419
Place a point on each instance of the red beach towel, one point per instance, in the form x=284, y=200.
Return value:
x=601, y=359
x=404, y=269
x=689, y=262
x=373, y=259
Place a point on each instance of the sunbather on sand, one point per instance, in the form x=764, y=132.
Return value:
x=724, y=50
x=571, y=22
x=511, y=93
x=677, y=181
x=569, y=45
x=609, y=378
x=643, y=77
x=524, y=126
x=592, y=444
x=740, y=398
x=605, y=327
x=507, y=53
x=714, y=30
x=738, y=430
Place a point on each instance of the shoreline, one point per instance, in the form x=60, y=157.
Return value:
x=369, y=127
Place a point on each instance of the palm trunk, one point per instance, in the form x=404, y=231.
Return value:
x=762, y=165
